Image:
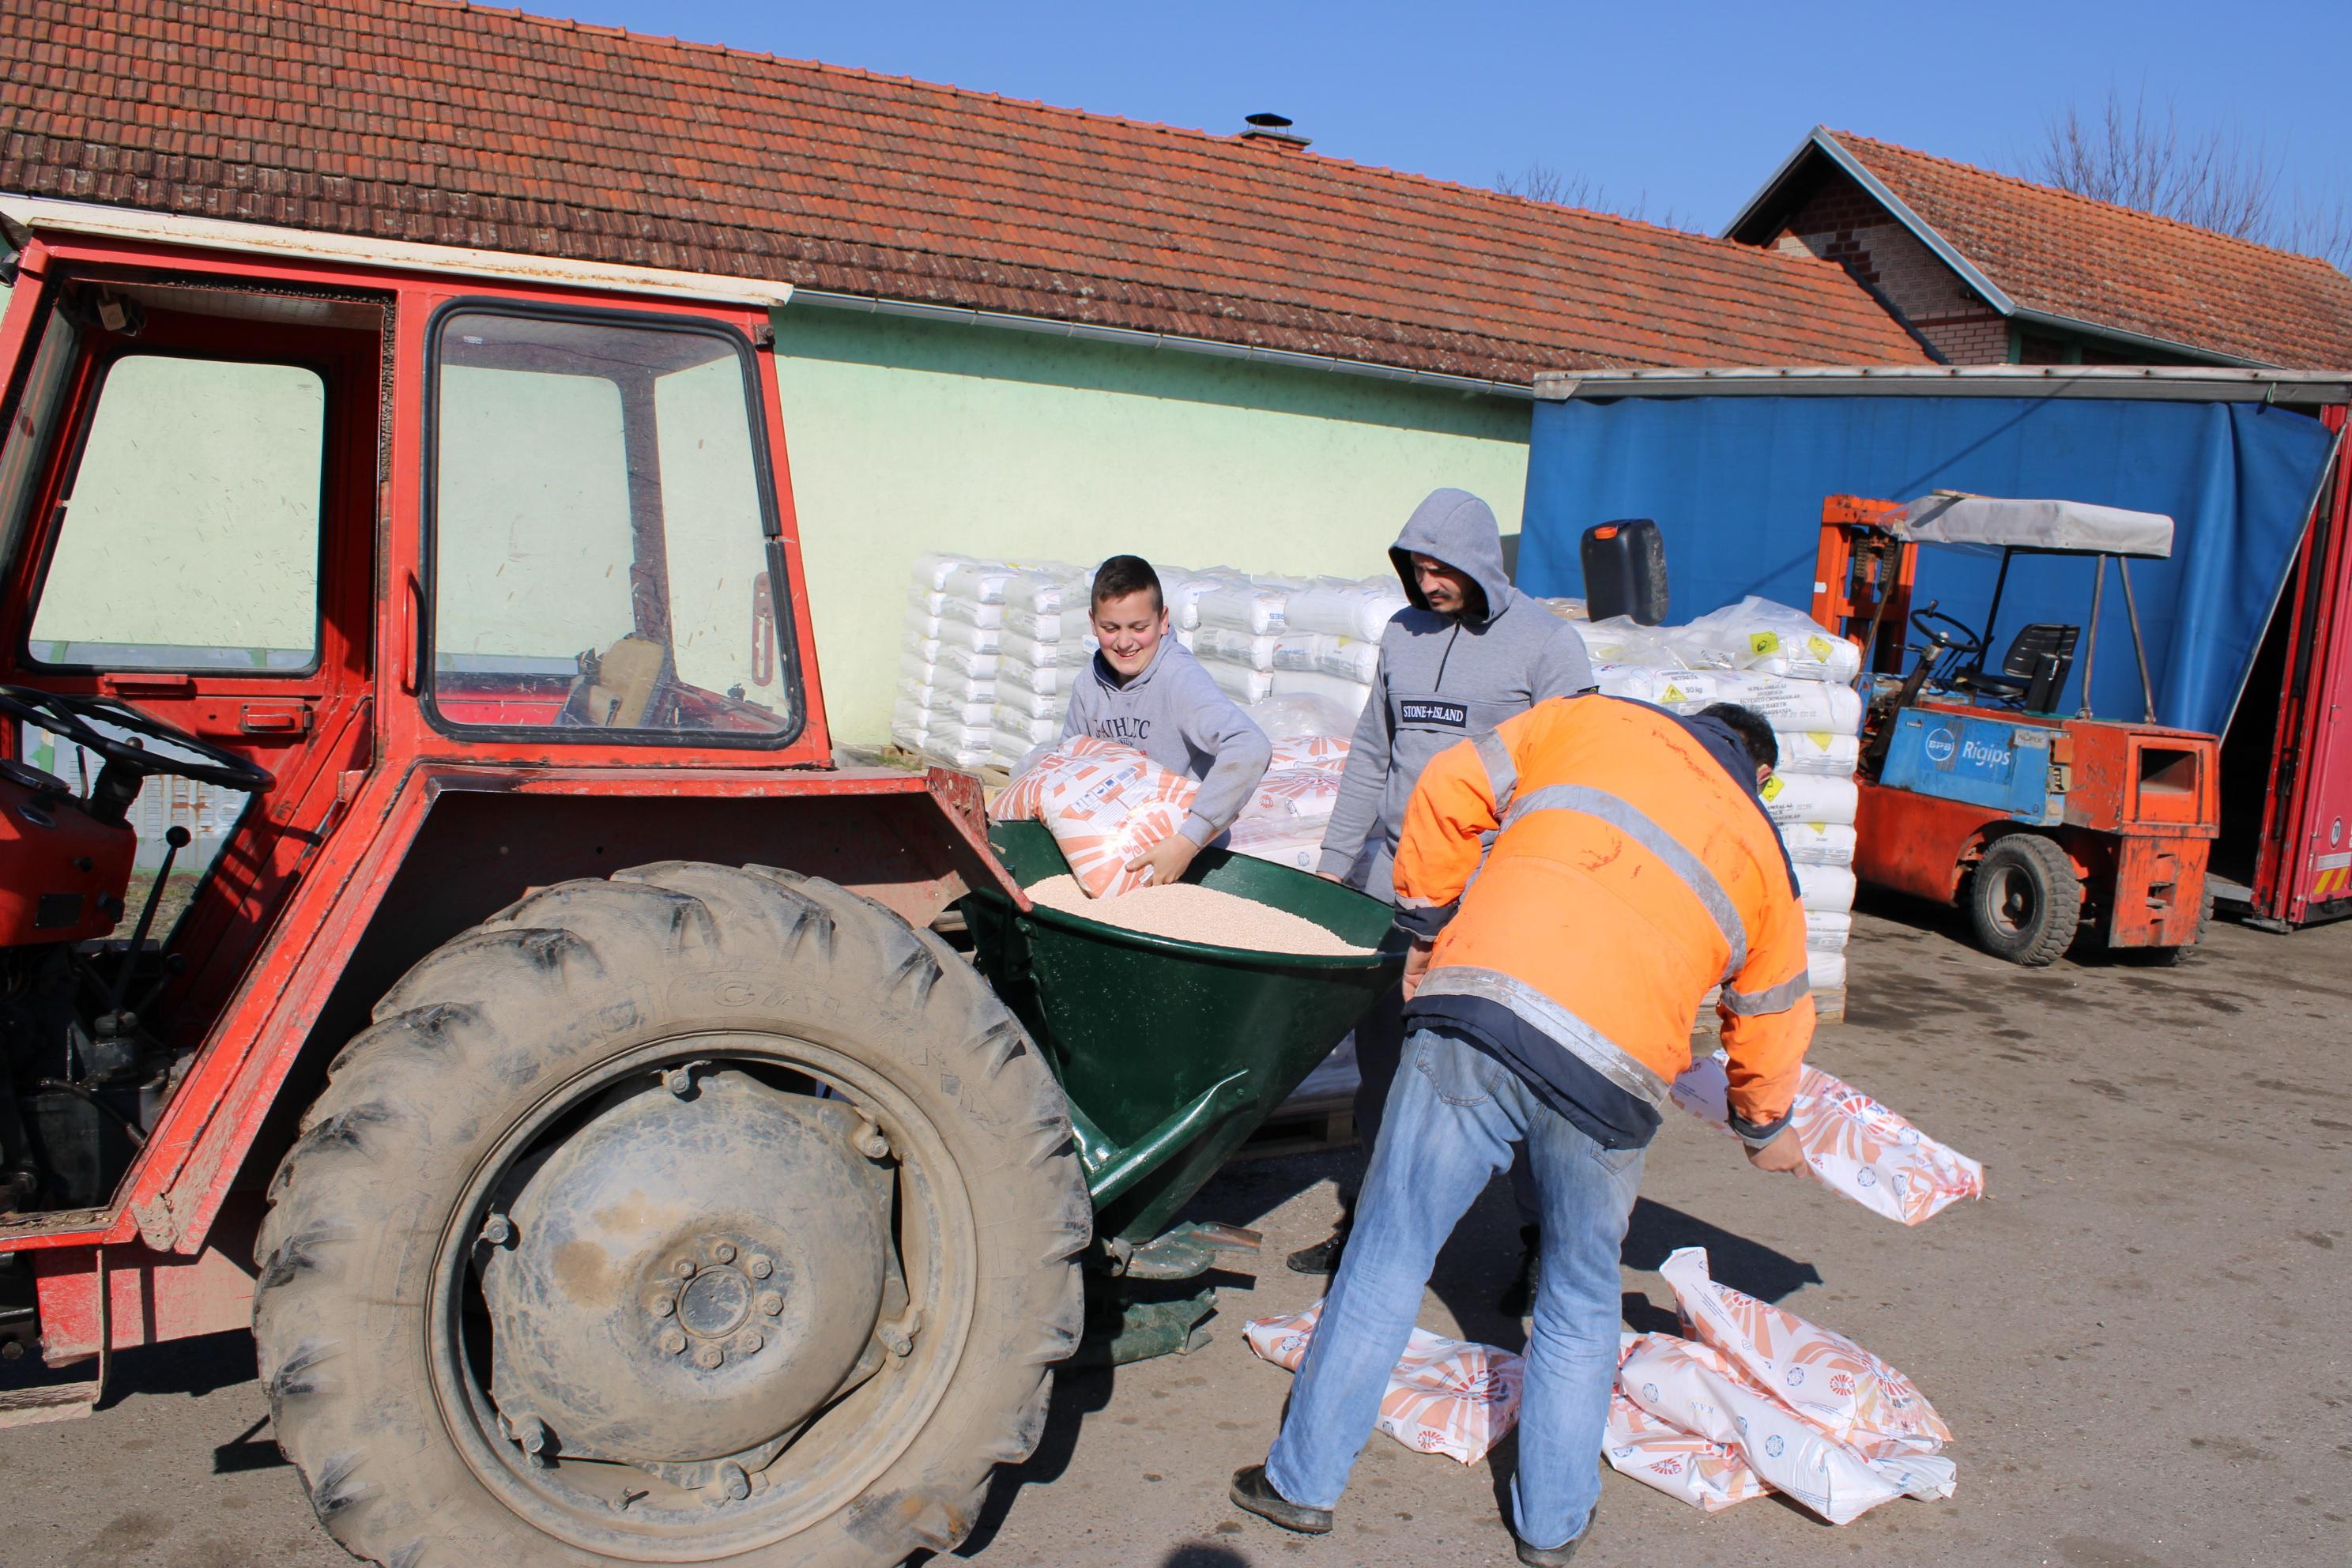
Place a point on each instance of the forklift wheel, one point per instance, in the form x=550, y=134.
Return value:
x=2169, y=956
x=2026, y=900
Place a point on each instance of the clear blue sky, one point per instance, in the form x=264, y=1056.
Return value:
x=1688, y=106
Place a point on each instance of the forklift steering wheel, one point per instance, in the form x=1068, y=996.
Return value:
x=68, y=717
x=1925, y=623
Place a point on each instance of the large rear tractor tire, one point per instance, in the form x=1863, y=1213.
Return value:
x=703, y=1215
x=2025, y=900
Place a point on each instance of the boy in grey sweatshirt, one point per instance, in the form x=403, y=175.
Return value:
x=1145, y=689
x=1471, y=652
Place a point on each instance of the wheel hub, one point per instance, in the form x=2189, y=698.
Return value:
x=690, y=1276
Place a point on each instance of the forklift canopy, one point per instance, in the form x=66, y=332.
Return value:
x=1948, y=517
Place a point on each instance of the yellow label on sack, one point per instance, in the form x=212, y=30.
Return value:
x=1818, y=646
x=1821, y=738
x=1673, y=694
x=1772, y=787
x=1762, y=643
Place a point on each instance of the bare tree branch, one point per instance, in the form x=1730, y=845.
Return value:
x=2137, y=156
x=1542, y=183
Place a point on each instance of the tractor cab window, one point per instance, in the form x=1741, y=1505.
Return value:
x=191, y=533
x=601, y=544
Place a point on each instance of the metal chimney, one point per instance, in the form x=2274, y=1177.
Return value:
x=1274, y=128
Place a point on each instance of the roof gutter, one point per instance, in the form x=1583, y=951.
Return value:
x=1130, y=337
x=2025, y=317
x=2176, y=383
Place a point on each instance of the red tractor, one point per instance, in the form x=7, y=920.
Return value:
x=424, y=874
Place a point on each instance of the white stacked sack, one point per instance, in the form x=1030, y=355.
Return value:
x=1266, y=639
x=1785, y=667
x=989, y=652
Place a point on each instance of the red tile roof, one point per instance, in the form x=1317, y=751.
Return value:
x=438, y=122
x=2064, y=254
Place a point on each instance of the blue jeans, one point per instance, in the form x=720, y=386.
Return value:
x=1452, y=1120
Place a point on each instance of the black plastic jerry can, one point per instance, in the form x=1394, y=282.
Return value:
x=1626, y=570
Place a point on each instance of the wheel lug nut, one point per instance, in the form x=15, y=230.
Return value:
x=683, y=1268
x=497, y=1230
x=733, y=1481
x=748, y=1342
x=771, y=1303
x=661, y=1304
x=709, y=1357
x=758, y=1266
x=724, y=1252
x=680, y=1081
x=672, y=1342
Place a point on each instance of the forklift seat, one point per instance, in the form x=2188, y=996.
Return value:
x=2040, y=659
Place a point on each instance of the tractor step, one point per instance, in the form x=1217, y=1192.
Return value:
x=55, y=1402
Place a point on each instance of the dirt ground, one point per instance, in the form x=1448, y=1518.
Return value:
x=2139, y=1339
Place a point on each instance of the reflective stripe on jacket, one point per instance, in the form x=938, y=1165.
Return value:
x=1633, y=873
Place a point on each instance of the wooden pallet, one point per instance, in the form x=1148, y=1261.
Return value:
x=1309, y=1128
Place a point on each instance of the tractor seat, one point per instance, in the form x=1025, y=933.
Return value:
x=614, y=689
x=2034, y=672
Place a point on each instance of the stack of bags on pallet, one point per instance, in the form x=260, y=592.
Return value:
x=990, y=651
x=991, y=648
x=1264, y=639
x=1785, y=667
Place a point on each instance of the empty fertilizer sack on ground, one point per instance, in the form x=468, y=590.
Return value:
x=1779, y=1404
x=1853, y=1145
x=1453, y=1397
x=1185, y=911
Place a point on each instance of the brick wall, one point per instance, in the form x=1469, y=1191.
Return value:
x=1840, y=221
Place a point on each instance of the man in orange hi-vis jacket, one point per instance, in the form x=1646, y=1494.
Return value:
x=1575, y=881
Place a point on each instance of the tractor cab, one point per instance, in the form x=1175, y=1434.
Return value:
x=2052, y=827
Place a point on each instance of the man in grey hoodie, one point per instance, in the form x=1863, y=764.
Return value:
x=1145, y=689
x=1470, y=652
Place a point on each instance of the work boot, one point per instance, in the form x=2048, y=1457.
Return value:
x=1254, y=1493
x=1554, y=1556
x=1519, y=1295
x=1323, y=1258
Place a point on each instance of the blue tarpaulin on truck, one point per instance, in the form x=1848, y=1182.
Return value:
x=1736, y=484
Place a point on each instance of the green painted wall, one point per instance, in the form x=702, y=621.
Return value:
x=909, y=436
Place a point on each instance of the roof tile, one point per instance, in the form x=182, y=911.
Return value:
x=2067, y=254
x=510, y=132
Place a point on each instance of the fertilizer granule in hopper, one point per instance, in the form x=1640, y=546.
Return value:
x=1185, y=913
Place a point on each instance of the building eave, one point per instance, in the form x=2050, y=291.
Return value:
x=2191, y=384
x=1823, y=143
x=1747, y=227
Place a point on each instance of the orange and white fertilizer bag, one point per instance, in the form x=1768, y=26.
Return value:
x=1446, y=1396
x=1853, y=1145
x=1105, y=804
x=1698, y=1470
x=1284, y=819
x=1810, y=1412
x=1821, y=1374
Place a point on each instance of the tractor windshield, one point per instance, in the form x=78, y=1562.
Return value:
x=601, y=537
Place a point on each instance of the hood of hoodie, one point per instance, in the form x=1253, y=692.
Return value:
x=1457, y=528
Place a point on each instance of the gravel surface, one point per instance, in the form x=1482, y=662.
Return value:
x=2139, y=1338
x=1187, y=913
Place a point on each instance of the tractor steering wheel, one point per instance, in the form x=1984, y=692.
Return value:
x=1925, y=623
x=68, y=717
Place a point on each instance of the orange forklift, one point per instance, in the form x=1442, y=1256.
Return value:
x=2056, y=830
